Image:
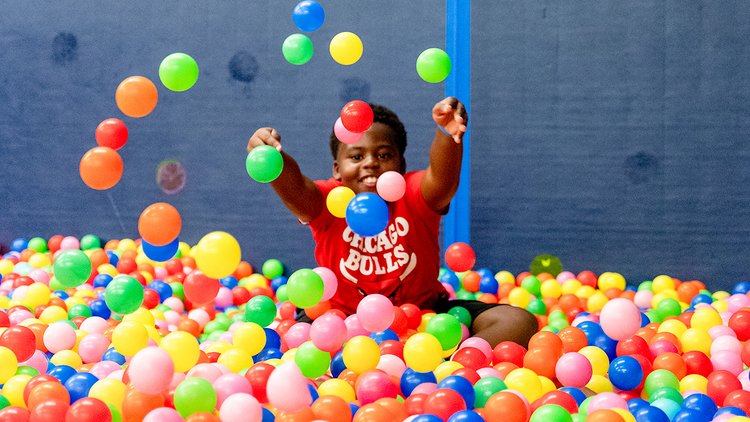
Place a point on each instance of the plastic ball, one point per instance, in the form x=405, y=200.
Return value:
x=308, y=15
x=72, y=268
x=129, y=337
x=136, y=96
x=391, y=186
x=361, y=353
x=241, y=407
x=217, y=254
x=194, y=395
x=161, y=253
x=151, y=370
x=573, y=370
x=111, y=133
x=367, y=214
x=287, y=389
x=297, y=49
x=620, y=319
x=423, y=352
x=506, y=406
x=344, y=135
x=375, y=312
x=305, y=288
x=356, y=116
x=433, y=65
x=446, y=329
x=124, y=294
x=178, y=72
x=264, y=163
x=460, y=257
x=346, y=48
x=200, y=288
x=159, y=224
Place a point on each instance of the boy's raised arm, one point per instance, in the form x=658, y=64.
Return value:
x=300, y=194
x=440, y=181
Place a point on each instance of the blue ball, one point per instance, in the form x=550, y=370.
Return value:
x=636, y=404
x=608, y=345
x=99, y=308
x=488, y=285
x=113, y=258
x=367, y=214
x=313, y=392
x=736, y=411
x=230, y=282
x=625, y=373
x=466, y=416
x=337, y=364
x=427, y=418
x=278, y=282
x=268, y=353
x=354, y=408
x=701, y=298
x=592, y=331
x=308, y=16
x=61, y=294
x=451, y=278
x=689, y=415
x=273, y=340
x=268, y=416
x=576, y=393
x=410, y=379
x=62, y=372
x=161, y=253
x=78, y=385
x=462, y=386
x=19, y=245
x=741, y=288
x=702, y=403
x=382, y=336
x=113, y=355
x=650, y=414
x=162, y=288
x=102, y=280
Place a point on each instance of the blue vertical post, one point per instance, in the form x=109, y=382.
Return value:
x=458, y=84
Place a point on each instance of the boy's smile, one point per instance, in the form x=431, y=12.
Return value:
x=359, y=165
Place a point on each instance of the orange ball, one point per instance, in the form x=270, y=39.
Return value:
x=573, y=339
x=506, y=407
x=332, y=409
x=159, y=224
x=542, y=360
x=373, y=413
x=672, y=362
x=604, y=415
x=470, y=282
x=547, y=339
x=136, y=96
x=304, y=415
x=101, y=168
x=397, y=409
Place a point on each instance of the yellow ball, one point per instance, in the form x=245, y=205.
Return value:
x=570, y=286
x=674, y=326
x=108, y=269
x=249, y=337
x=551, y=288
x=705, y=319
x=141, y=315
x=236, y=359
x=526, y=382
x=153, y=334
x=337, y=387
x=66, y=357
x=184, y=249
x=505, y=277
x=596, y=302
x=662, y=283
x=217, y=254
x=721, y=294
x=423, y=352
x=600, y=384
x=8, y=364
x=289, y=355
x=720, y=305
x=338, y=199
x=183, y=348
x=362, y=353
x=585, y=291
x=609, y=280
x=738, y=419
x=518, y=296
x=37, y=294
x=624, y=414
x=80, y=294
x=110, y=391
x=219, y=347
x=51, y=314
x=129, y=337
x=425, y=319
x=547, y=384
x=696, y=339
x=346, y=48
x=256, y=280
x=13, y=390
x=157, y=315
x=79, y=336
x=694, y=382
x=71, y=301
x=445, y=369
x=39, y=260
x=598, y=358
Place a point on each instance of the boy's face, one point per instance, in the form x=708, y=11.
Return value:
x=359, y=165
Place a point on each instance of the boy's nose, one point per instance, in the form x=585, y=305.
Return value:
x=371, y=161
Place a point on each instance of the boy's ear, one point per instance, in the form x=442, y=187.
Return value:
x=336, y=173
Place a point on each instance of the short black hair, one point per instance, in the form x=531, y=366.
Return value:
x=381, y=114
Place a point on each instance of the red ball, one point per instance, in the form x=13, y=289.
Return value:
x=200, y=288
x=4, y=320
x=560, y=398
x=111, y=133
x=20, y=340
x=258, y=376
x=23, y=280
x=49, y=410
x=357, y=116
x=508, y=351
x=413, y=315
x=400, y=322
x=126, y=265
x=392, y=347
x=53, y=244
x=587, y=278
x=720, y=384
x=414, y=404
x=635, y=345
x=460, y=257
x=443, y=403
x=240, y=295
x=740, y=323
x=173, y=266
x=150, y=298
x=88, y=409
x=738, y=398
x=470, y=357
x=698, y=362
x=467, y=373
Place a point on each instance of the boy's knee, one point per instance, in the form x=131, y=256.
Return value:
x=506, y=323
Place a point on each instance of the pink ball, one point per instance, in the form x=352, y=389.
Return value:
x=643, y=298
x=39, y=276
x=104, y=369
x=69, y=242
x=330, y=282
x=328, y=333
x=92, y=347
x=59, y=336
x=19, y=293
x=175, y=304
x=375, y=313
x=620, y=319
x=206, y=371
x=19, y=316
x=663, y=346
x=94, y=325
x=151, y=370
x=391, y=186
x=375, y=385
x=490, y=372
x=573, y=370
x=726, y=343
x=392, y=365
x=728, y=361
x=297, y=334
x=354, y=328
x=172, y=317
x=564, y=276
x=424, y=388
x=737, y=301
x=721, y=330
x=451, y=292
x=607, y=400
x=477, y=343
x=241, y=407
x=163, y=414
x=37, y=361
x=343, y=133
x=160, y=273
x=200, y=316
x=287, y=388
x=229, y=384
x=224, y=298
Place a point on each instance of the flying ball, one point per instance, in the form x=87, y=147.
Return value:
x=217, y=254
x=136, y=96
x=101, y=168
x=297, y=49
x=178, y=72
x=356, y=116
x=264, y=163
x=308, y=15
x=367, y=214
x=111, y=133
x=159, y=224
x=344, y=135
x=338, y=200
x=459, y=257
x=433, y=65
x=346, y=48
x=391, y=186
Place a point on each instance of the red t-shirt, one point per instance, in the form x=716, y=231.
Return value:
x=401, y=263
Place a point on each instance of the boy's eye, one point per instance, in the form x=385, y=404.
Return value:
x=356, y=157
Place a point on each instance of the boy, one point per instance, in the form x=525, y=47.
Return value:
x=403, y=261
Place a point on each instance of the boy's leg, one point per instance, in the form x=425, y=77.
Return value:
x=505, y=323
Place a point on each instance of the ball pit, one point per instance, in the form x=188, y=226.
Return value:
x=107, y=333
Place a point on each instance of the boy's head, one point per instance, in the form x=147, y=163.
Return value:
x=383, y=115
x=381, y=149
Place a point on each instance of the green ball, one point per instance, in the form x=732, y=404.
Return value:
x=462, y=315
x=532, y=285
x=194, y=395
x=213, y=327
x=72, y=268
x=264, y=163
x=297, y=49
x=446, y=329
x=90, y=242
x=79, y=310
x=4, y=402
x=464, y=295
x=260, y=310
x=178, y=290
x=178, y=72
x=486, y=388
x=239, y=317
x=281, y=294
x=433, y=65
x=312, y=361
x=537, y=307
x=38, y=244
x=646, y=285
x=273, y=268
x=666, y=392
x=163, y=308
x=551, y=413
x=116, y=417
x=660, y=378
x=214, y=335
x=124, y=294
x=27, y=370
x=305, y=288
x=668, y=307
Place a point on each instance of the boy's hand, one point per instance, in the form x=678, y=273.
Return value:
x=264, y=136
x=450, y=114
